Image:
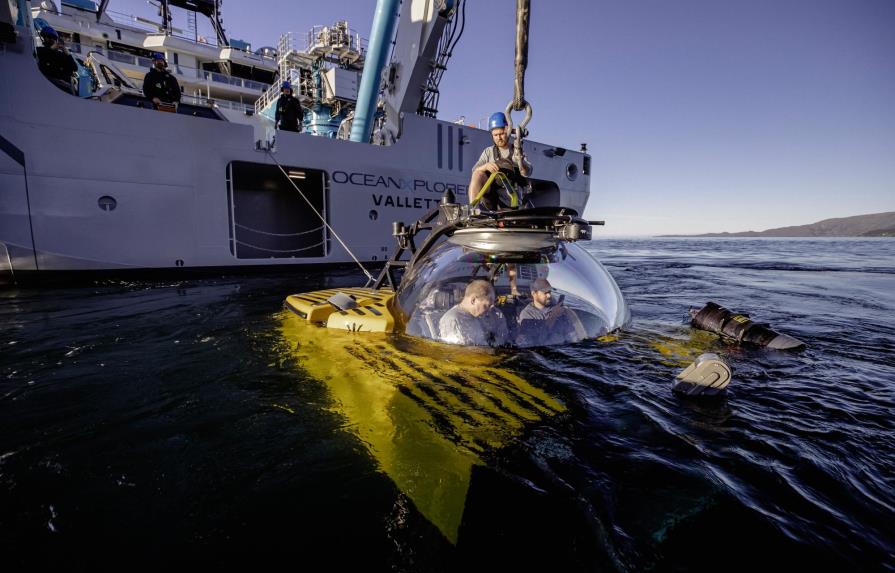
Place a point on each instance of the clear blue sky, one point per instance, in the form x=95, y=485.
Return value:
x=701, y=115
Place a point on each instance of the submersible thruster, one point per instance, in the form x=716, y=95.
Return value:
x=739, y=327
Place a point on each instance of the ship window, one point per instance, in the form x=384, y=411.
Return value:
x=251, y=73
x=268, y=218
x=126, y=49
x=212, y=67
x=586, y=168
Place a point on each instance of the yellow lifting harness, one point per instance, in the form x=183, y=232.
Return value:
x=507, y=184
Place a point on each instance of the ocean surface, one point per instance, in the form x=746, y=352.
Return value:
x=178, y=422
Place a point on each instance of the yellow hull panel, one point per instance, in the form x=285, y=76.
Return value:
x=427, y=412
x=372, y=314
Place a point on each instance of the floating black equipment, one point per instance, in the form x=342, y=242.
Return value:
x=739, y=327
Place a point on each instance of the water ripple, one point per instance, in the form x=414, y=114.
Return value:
x=178, y=401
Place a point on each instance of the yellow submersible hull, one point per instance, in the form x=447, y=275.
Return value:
x=427, y=412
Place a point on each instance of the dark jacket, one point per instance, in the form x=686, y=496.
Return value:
x=289, y=113
x=55, y=64
x=161, y=84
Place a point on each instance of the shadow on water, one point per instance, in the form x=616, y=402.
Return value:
x=139, y=420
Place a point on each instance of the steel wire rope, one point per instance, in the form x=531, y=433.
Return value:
x=453, y=41
x=370, y=277
x=521, y=59
x=446, y=45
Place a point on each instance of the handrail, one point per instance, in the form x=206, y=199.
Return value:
x=142, y=24
x=152, y=27
x=185, y=97
x=327, y=36
x=177, y=69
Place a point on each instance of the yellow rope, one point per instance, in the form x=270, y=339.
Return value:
x=505, y=181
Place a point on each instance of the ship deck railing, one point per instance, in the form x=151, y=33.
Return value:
x=184, y=71
x=153, y=27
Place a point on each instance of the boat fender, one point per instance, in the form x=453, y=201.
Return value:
x=739, y=327
x=708, y=376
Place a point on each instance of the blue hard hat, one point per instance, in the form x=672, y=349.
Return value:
x=158, y=56
x=49, y=31
x=286, y=86
x=497, y=120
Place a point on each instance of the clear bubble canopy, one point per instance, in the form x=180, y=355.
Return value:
x=579, y=299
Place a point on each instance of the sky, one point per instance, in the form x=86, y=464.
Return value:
x=700, y=115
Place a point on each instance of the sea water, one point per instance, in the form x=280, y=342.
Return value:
x=163, y=423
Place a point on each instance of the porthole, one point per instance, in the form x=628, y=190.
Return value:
x=107, y=203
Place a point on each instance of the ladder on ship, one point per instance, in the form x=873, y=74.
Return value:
x=289, y=61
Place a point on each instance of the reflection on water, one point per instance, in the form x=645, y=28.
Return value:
x=427, y=413
x=191, y=417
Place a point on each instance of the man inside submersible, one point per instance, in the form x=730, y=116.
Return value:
x=475, y=321
x=543, y=323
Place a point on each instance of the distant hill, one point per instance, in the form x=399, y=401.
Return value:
x=874, y=225
x=880, y=233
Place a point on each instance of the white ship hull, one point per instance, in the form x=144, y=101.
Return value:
x=93, y=186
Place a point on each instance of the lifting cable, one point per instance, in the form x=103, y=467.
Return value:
x=522, y=16
x=370, y=277
x=523, y=11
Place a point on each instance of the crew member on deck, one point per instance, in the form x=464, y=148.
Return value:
x=494, y=157
x=159, y=84
x=54, y=61
x=289, y=113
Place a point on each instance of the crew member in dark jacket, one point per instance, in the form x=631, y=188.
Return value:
x=54, y=61
x=158, y=84
x=289, y=112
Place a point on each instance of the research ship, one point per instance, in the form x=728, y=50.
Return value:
x=96, y=180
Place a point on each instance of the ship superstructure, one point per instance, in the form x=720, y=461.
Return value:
x=100, y=181
x=214, y=71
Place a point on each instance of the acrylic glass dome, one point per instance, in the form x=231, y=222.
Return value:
x=585, y=302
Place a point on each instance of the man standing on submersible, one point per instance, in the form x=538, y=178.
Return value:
x=493, y=158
